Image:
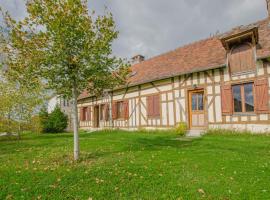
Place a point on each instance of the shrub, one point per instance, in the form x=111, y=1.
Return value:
x=181, y=128
x=55, y=122
x=44, y=118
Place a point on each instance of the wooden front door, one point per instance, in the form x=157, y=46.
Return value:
x=196, y=109
x=96, y=116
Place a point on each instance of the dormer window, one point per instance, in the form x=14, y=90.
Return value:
x=242, y=58
x=240, y=45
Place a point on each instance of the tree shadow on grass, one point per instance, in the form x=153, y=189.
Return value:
x=158, y=143
x=139, y=143
x=44, y=136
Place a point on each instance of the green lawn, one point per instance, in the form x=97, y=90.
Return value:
x=121, y=165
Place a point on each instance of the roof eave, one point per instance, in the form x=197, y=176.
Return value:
x=252, y=31
x=170, y=76
x=163, y=78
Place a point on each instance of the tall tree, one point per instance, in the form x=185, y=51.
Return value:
x=61, y=43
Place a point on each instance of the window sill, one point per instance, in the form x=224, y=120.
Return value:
x=122, y=118
x=243, y=114
x=243, y=73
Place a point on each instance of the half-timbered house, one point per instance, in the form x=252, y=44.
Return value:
x=219, y=82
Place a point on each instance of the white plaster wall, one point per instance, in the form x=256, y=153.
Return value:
x=218, y=109
x=183, y=113
x=170, y=96
x=165, y=88
x=260, y=69
x=177, y=111
x=171, y=113
x=202, y=78
x=143, y=112
x=137, y=112
x=195, y=79
x=118, y=97
x=149, y=91
x=268, y=68
x=131, y=109
x=210, y=109
x=132, y=95
x=188, y=82
x=52, y=103
x=255, y=128
x=164, y=113
x=217, y=75
x=226, y=75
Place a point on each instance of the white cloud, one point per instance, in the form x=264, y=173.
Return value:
x=151, y=27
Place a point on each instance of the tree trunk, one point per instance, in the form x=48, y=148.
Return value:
x=75, y=122
x=19, y=132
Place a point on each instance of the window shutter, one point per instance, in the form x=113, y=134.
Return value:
x=126, y=109
x=153, y=107
x=81, y=114
x=114, y=110
x=226, y=99
x=261, y=96
x=242, y=58
x=156, y=106
x=235, y=62
x=89, y=114
x=106, y=107
x=150, y=106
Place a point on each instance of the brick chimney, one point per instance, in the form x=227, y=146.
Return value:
x=138, y=58
x=268, y=7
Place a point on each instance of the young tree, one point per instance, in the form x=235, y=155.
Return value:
x=61, y=43
x=17, y=106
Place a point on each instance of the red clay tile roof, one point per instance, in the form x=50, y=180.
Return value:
x=83, y=95
x=198, y=56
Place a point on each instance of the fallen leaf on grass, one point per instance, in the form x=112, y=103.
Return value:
x=99, y=181
x=201, y=191
x=10, y=196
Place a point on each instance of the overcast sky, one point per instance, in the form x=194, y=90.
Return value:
x=152, y=27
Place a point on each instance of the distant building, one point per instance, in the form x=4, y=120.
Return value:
x=65, y=106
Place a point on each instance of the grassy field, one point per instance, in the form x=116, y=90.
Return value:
x=121, y=165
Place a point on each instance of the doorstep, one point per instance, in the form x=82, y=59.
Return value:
x=195, y=133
